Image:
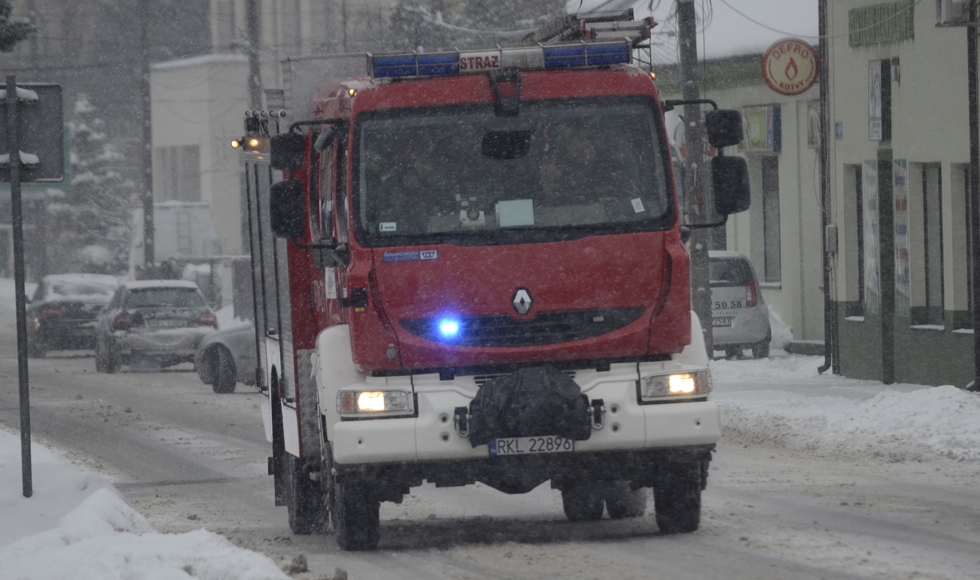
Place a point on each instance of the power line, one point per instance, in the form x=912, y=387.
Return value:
x=818, y=37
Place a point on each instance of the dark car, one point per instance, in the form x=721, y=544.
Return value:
x=158, y=322
x=61, y=314
x=227, y=357
x=739, y=315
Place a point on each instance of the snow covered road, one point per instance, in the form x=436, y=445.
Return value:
x=817, y=477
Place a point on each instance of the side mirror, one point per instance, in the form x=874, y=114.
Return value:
x=287, y=151
x=730, y=179
x=286, y=209
x=724, y=127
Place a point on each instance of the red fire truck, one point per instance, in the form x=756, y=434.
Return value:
x=469, y=267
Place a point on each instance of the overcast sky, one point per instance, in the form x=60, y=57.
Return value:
x=735, y=27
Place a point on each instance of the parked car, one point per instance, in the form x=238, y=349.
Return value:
x=227, y=357
x=61, y=314
x=739, y=315
x=160, y=322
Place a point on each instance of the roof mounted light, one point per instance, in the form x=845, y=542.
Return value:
x=531, y=58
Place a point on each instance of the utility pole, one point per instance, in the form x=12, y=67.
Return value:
x=695, y=197
x=823, y=78
x=147, y=137
x=254, y=32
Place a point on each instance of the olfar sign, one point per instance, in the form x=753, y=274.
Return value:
x=790, y=66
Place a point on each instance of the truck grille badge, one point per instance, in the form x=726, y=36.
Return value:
x=522, y=301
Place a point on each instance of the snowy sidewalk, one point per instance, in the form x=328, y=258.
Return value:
x=783, y=401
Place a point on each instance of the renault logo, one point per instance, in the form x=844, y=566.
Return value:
x=522, y=301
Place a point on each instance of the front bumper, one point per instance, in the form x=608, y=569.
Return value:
x=430, y=436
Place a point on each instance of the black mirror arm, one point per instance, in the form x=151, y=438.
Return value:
x=298, y=124
x=724, y=220
x=671, y=103
x=314, y=246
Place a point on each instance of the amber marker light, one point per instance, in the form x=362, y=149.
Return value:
x=235, y=144
x=253, y=142
x=653, y=75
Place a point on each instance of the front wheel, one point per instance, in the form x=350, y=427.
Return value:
x=677, y=498
x=356, y=517
x=582, y=501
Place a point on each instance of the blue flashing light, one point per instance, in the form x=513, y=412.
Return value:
x=408, y=65
x=551, y=57
x=448, y=328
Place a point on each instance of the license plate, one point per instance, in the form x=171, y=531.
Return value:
x=726, y=321
x=530, y=445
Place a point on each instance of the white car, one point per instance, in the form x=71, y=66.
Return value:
x=739, y=315
x=156, y=321
x=227, y=357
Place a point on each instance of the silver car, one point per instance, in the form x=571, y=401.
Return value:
x=158, y=322
x=227, y=357
x=739, y=315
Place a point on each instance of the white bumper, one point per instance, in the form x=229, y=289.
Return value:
x=431, y=436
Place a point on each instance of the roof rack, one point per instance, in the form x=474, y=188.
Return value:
x=593, y=27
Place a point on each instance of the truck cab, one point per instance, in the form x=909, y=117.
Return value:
x=485, y=282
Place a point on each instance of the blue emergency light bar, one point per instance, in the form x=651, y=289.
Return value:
x=483, y=61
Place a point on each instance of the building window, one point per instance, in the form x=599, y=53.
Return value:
x=932, y=234
x=881, y=23
x=177, y=173
x=770, y=218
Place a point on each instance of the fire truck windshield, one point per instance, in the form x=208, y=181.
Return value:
x=560, y=169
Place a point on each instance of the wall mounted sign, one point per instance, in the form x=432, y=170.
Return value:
x=790, y=66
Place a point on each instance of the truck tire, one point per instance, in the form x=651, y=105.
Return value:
x=355, y=514
x=304, y=499
x=623, y=502
x=582, y=501
x=677, y=498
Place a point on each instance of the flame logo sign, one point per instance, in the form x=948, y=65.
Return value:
x=791, y=69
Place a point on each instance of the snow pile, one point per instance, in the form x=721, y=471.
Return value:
x=103, y=537
x=784, y=402
x=782, y=335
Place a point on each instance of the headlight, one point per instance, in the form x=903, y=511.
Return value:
x=374, y=403
x=675, y=386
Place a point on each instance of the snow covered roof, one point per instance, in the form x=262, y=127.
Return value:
x=203, y=60
x=132, y=284
x=97, y=278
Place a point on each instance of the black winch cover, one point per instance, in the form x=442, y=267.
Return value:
x=529, y=403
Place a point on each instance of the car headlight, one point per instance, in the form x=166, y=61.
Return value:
x=674, y=386
x=363, y=404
